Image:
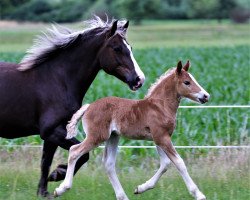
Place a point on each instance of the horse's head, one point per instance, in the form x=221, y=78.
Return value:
x=116, y=57
x=187, y=86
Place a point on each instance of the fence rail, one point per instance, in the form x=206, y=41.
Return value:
x=147, y=147
x=218, y=106
x=178, y=147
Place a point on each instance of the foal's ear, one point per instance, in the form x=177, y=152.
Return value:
x=187, y=65
x=113, y=28
x=179, y=67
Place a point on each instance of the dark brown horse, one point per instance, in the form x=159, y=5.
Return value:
x=39, y=95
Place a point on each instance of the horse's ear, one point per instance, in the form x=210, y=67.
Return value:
x=113, y=28
x=126, y=25
x=123, y=29
x=187, y=65
x=179, y=67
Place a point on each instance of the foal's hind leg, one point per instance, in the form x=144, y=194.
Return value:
x=167, y=146
x=109, y=159
x=150, y=184
x=75, y=152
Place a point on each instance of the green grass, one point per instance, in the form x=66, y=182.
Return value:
x=216, y=175
x=151, y=34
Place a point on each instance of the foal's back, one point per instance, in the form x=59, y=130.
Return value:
x=112, y=114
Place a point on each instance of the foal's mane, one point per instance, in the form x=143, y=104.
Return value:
x=159, y=81
x=59, y=37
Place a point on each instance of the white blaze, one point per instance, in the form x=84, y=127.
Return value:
x=137, y=68
x=202, y=92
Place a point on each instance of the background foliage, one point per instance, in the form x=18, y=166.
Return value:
x=75, y=10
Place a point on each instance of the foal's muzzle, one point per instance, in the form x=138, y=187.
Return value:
x=204, y=98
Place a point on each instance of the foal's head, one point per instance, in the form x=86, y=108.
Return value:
x=187, y=86
x=116, y=57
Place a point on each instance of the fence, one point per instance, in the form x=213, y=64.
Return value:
x=178, y=147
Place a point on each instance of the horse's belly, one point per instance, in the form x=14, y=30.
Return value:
x=16, y=132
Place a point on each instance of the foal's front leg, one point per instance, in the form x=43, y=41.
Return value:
x=150, y=184
x=109, y=159
x=166, y=144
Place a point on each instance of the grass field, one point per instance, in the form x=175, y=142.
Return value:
x=220, y=57
x=221, y=175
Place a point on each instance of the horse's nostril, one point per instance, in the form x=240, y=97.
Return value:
x=205, y=96
x=137, y=79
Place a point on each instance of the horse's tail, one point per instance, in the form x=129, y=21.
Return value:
x=71, y=127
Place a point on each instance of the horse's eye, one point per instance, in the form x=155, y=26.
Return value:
x=117, y=49
x=186, y=82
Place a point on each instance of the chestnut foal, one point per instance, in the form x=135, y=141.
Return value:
x=153, y=118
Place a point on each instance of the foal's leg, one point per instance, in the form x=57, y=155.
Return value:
x=53, y=139
x=150, y=184
x=57, y=137
x=75, y=152
x=109, y=159
x=168, y=147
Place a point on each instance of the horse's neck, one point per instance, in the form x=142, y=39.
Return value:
x=166, y=92
x=77, y=66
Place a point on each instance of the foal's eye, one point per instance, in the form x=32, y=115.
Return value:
x=186, y=82
x=117, y=49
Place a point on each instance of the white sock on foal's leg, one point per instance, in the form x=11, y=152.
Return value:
x=192, y=187
x=109, y=159
x=150, y=184
x=75, y=152
x=67, y=182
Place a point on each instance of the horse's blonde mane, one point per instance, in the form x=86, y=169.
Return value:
x=159, y=80
x=57, y=37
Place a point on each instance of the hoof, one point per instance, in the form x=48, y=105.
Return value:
x=57, y=175
x=55, y=194
x=136, y=191
x=43, y=193
x=200, y=196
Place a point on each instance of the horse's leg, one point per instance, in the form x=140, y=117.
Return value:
x=109, y=159
x=53, y=140
x=58, y=137
x=48, y=154
x=75, y=152
x=169, y=149
x=150, y=184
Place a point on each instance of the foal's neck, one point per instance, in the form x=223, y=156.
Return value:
x=166, y=92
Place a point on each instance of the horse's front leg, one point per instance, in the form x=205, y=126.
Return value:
x=150, y=184
x=52, y=141
x=47, y=157
x=167, y=146
x=109, y=159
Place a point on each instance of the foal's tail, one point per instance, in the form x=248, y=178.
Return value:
x=71, y=127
